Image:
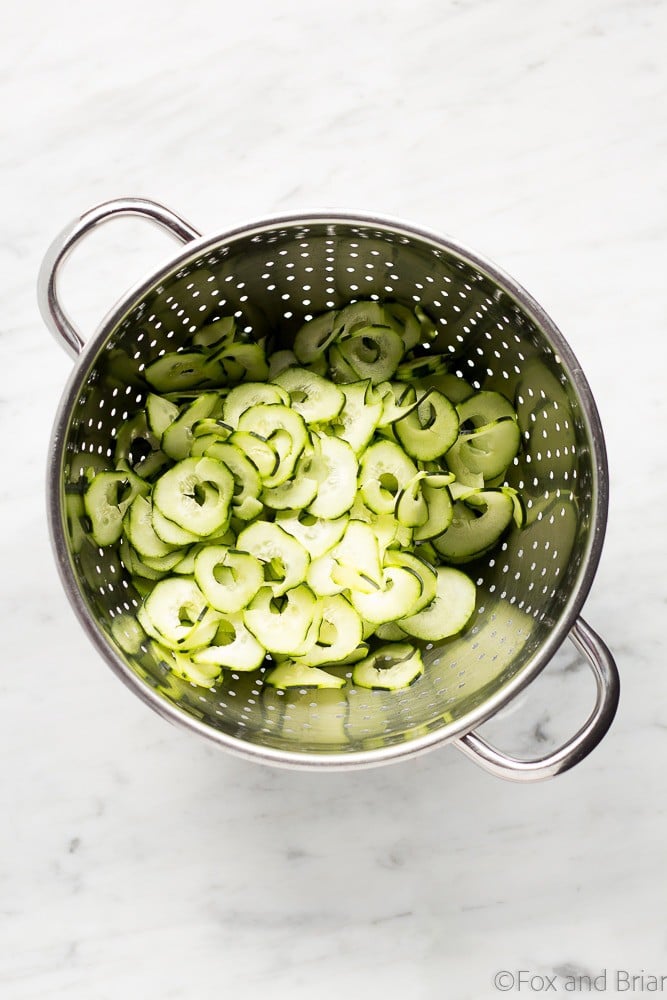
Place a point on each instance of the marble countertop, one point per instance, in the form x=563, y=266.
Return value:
x=137, y=861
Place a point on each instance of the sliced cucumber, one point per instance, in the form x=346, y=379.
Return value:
x=170, y=532
x=399, y=595
x=177, y=615
x=389, y=668
x=390, y=632
x=385, y=470
x=232, y=646
x=485, y=407
x=363, y=315
x=410, y=327
x=228, y=579
x=313, y=338
x=283, y=426
x=430, y=429
x=487, y=451
x=357, y=421
x=390, y=533
x=372, y=352
x=315, y=398
x=320, y=576
x=411, y=508
x=242, y=363
x=261, y=452
x=180, y=370
x=339, y=633
x=178, y=437
x=160, y=413
x=422, y=367
x=128, y=633
x=450, y=610
x=340, y=371
x=183, y=666
x=281, y=624
x=284, y=559
x=242, y=397
x=137, y=449
x=247, y=481
x=334, y=468
x=220, y=331
x=140, y=531
x=299, y=490
x=317, y=534
x=105, y=501
x=135, y=565
x=356, y=559
x=454, y=387
x=279, y=361
x=290, y=674
x=398, y=399
x=423, y=571
x=196, y=494
x=478, y=523
x=440, y=512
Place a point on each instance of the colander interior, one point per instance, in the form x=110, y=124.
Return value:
x=272, y=278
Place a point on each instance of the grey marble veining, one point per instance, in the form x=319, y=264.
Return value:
x=138, y=862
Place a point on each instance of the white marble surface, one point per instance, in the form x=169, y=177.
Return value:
x=137, y=862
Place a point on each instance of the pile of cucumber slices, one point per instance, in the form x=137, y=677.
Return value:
x=306, y=509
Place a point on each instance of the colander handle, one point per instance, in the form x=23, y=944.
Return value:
x=591, y=646
x=50, y=307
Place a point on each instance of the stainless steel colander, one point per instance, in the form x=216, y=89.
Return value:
x=272, y=275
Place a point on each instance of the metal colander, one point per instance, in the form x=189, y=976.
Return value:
x=272, y=276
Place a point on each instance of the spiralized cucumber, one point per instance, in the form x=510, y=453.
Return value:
x=312, y=506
